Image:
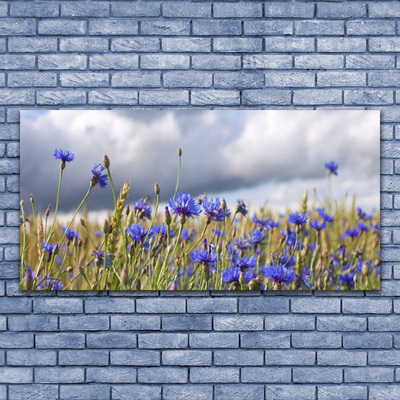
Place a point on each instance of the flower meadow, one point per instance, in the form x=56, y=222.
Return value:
x=198, y=243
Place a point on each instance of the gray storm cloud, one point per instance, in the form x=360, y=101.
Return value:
x=224, y=150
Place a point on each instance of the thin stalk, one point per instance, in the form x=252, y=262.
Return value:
x=179, y=173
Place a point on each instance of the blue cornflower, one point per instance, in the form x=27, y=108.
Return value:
x=362, y=227
x=274, y=224
x=376, y=228
x=241, y=208
x=324, y=215
x=332, y=167
x=70, y=234
x=257, y=238
x=279, y=274
x=352, y=233
x=363, y=215
x=213, y=209
x=261, y=223
x=142, y=209
x=138, y=233
x=348, y=279
x=184, y=205
x=244, y=263
x=162, y=230
x=98, y=233
x=232, y=274
x=63, y=156
x=297, y=219
x=241, y=244
x=49, y=248
x=204, y=257
x=98, y=177
x=318, y=226
x=49, y=284
x=99, y=257
x=218, y=232
x=188, y=235
x=288, y=261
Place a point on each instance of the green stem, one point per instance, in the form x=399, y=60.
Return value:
x=179, y=175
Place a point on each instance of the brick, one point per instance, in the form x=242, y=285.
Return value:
x=269, y=27
x=242, y=323
x=16, y=340
x=264, y=305
x=111, y=340
x=113, y=61
x=17, y=61
x=135, y=322
x=57, y=306
x=368, y=97
x=59, y=375
x=60, y=340
x=289, y=392
x=136, y=392
x=135, y=357
x=263, y=96
x=320, y=340
x=186, y=79
x=368, y=374
x=367, y=341
x=370, y=61
x=386, y=323
x=387, y=44
x=61, y=61
x=109, y=306
x=366, y=306
x=345, y=392
x=237, y=10
x=215, y=62
x=214, y=97
x=214, y=375
x=165, y=28
x=33, y=392
x=135, y=9
x=37, y=9
x=135, y=44
x=83, y=79
x=179, y=392
x=92, y=9
x=342, y=323
x=286, y=45
x=110, y=375
x=261, y=340
x=317, y=96
x=288, y=10
x=289, y=323
x=341, y=45
x=237, y=45
x=164, y=61
x=16, y=375
x=32, y=45
x=65, y=97
x=32, y=323
x=289, y=79
x=264, y=375
x=384, y=78
x=214, y=340
x=186, y=323
x=186, y=357
x=19, y=26
x=318, y=27
x=163, y=341
x=18, y=306
x=110, y=26
x=211, y=305
x=314, y=375
x=238, y=357
x=87, y=45
x=31, y=357
x=239, y=392
x=319, y=61
x=342, y=358
x=162, y=375
x=325, y=306
x=193, y=45
x=272, y=61
x=216, y=27
x=342, y=78
x=182, y=9
x=83, y=357
x=98, y=392
x=346, y=10
x=384, y=357
x=384, y=10
x=84, y=323
x=61, y=27
x=136, y=79
x=178, y=97
x=373, y=28
x=289, y=357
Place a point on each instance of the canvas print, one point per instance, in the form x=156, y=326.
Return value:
x=200, y=200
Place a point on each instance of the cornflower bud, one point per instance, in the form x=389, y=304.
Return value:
x=156, y=189
x=106, y=161
x=32, y=199
x=168, y=218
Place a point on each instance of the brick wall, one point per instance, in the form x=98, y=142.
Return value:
x=200, y=54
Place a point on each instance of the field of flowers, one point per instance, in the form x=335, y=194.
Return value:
x=198, y=244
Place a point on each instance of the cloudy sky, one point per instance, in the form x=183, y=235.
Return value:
x=258, y=155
